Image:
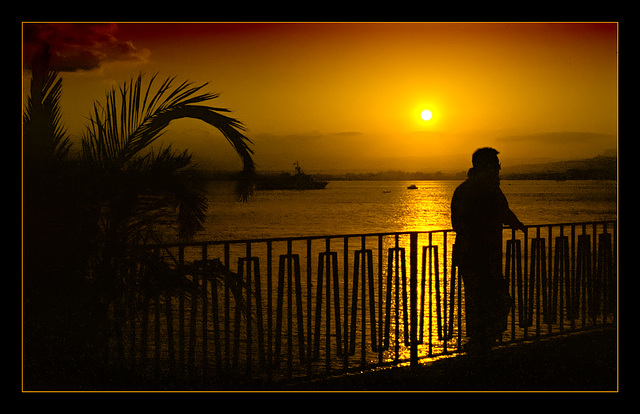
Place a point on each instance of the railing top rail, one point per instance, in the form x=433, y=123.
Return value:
x=296, y=238
x=353, y=235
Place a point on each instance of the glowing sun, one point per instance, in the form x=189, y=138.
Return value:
x=426, y=115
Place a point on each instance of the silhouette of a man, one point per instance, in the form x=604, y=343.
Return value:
x=478, y=211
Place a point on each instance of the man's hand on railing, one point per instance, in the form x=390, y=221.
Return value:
x=519, y=226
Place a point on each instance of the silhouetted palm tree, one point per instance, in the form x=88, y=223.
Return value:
x=86, y=220
x=120, y=137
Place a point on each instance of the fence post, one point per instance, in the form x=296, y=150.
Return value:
x=413, y=297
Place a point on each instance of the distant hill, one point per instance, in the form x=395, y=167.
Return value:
x=392, y=175
x=597, y=168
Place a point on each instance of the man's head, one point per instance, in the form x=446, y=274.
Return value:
x=486, y=166
x=485, y=159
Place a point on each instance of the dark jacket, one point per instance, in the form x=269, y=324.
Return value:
x=479, y=210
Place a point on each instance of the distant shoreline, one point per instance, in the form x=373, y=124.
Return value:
x=597, y=168
x=548, y=176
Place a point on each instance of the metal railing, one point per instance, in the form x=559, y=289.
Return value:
x=282, y=308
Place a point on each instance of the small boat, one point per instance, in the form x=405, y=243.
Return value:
x=386, y=191
x=412, y=187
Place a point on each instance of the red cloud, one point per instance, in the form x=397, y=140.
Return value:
x=78, y=46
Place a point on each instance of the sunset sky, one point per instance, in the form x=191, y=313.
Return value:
x=348, y=96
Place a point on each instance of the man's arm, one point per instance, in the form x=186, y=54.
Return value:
x=508, y=217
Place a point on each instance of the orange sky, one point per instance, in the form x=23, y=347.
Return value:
x=338, y=96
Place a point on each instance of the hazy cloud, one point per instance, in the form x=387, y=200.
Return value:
x=556, y=145
x=79, y=46
x=558, y=137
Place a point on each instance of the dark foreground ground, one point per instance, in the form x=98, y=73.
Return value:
x=578, y=362
x=586, y=361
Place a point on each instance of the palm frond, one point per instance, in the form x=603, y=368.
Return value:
x=132, y=120
x=45, y=137
x=123, y=128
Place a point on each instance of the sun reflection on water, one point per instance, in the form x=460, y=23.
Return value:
x=427, y=207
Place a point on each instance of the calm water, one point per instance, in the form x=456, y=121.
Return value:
x=347, y=207
x=353, y=207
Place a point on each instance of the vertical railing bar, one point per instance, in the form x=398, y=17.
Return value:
x=181, y=321
x=553, y=282
x=170, y=340
x=328, y=312
x=594, y=277
x=615, y=269
x=566, y=275
x=552, y=290
x=237, y=324
x=193, y=317
x=606, y=271
x=453, y=266
x=525, y=279
x=318, y=311
x=364, y=306
x=259, y=311
x=424, y=293
x=354, y=305
x=519, y=264
x=216, y=325
x=346, y=346
x=146, y=281
x=299, y=312
x=448, y=316
x=583, y=277
x=289, y=310
x=380, y=315
x=574, y=295
x=227, y=316
x=405, y=300
x=452, y=289
x=319, y=292
x=611, y=293
x=521, y=294
x=607, y=274
x=269, y=311
x=205, y=310
x=560, y=274
x=156, y=354
x=389, y=285
x=413, y=293
x=372, y=302
x=279, y=310
x=595, y=312
x=602, y=272
x=444, y=278
x=539, y=278
x=309, y=308
x=440, y=318
x=431, y=282
x=542, y=298
x=340, y=346
x=509, y=274
x=614, y=274
x=132, y=316
x=397, y=299
x=249, y=336
x=513, y=265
